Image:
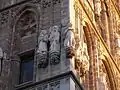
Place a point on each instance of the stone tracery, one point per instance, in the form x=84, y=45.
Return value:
x=26, y=25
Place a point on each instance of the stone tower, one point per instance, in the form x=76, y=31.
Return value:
x=59, y=45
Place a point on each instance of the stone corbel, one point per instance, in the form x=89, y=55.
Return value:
x=43, y=60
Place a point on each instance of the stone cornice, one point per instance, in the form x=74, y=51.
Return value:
x=61, y=76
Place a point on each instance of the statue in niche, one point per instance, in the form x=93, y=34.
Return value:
x=42, y=49
x=54, y=50
x=69, y=44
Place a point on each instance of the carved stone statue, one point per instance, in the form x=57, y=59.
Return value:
x=1, y=59
x=83, y=58
x=69, y=43
x=1, y=53
x=97, y=7
x=42, y=49
x=54, y=50
x=117, y=39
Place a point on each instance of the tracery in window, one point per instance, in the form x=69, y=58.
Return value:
x=26, y=25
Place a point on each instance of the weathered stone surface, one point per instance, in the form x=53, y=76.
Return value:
x=60, y=50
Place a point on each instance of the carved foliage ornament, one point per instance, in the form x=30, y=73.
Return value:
x=4, y=17
x=50, y=86
x=55, y=85
x=48, y=3
x=13, y=11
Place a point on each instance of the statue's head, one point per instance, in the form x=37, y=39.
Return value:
x=43, y=32
x=43, y=35
x=55, y=28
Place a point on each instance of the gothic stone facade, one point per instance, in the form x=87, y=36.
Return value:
x=74, y=45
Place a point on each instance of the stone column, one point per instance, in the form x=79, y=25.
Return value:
x=95, y=63
x=104, y=22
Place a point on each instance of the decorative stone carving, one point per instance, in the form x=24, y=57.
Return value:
x=45, y=87
x=97, y=7
x=103, y=82
x=69, y=44
x=4, y=17
x=83, y=59
x=84, y=67
x=2, y=57
x=55, y=85
x=13, y=11
x=117, y=40
x=54, y=52
x=26, y=25
x=56, y=1
x=1, y=53
x=42, y=52
x=46, y=4
x=49, y=3
x=49, y=43
x=36, y=1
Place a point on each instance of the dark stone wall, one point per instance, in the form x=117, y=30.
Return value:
x=10, y=41
x=7, y=3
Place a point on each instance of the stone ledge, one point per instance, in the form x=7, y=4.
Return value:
x=61, y=76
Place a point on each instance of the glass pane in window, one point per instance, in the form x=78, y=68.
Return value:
x=26, y=70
